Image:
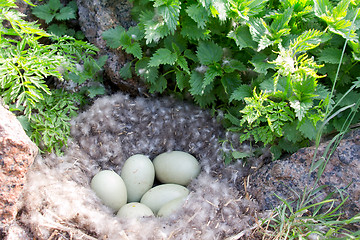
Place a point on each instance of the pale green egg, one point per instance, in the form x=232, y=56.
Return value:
x=134, y=210
x=160, y=195
x=176, y=167
x=110, y=188
x=171, y=207
x=138, y=174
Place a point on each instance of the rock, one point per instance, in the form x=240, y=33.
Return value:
x=97, y=16
x=281, y=176
x=17, y=153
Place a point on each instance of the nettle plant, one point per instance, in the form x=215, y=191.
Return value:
x=255, y=60
x=56, y=15
x=26, y=65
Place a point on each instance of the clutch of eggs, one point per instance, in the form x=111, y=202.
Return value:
x=131, y=194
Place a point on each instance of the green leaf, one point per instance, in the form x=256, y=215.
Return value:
x=54, y=4
x=322, y=8
x=181, y=80
x=112, y=36
x=159, y=85
x=232, y=65
x=134, y=49
x=240, y=155
x=275, y=151
x=181, y=61
x=58, y=29
x=96, y=90
x=230, y=81
x=308, y=130
x=66, y=13
x=291, y=132
x=43, y=12
x=125, y=71
x=195, y=81
x=209, y=53
x=241, y=92
x=199, y=14
x=190, y=55
x=261, y=63
x=135, y=33
x=162, y=56
x=170, y=13
x=155, y=28
x=282, y=20
x=190, y=30
x=204, y=100
x=332, y=55
x=300, y=108
x=242, y=37
x=142, y=69
x=308, y=40
x=211, y=73
x=258, y=28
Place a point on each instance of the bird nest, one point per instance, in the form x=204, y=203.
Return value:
x=57, y=202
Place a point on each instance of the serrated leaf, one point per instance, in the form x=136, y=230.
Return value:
x=112, y=36
x=261, y=64
x=54, y=4
x=331, y=55
x=308, y=40
x=281, y=20
x=275, y=151
x=43, y=12
x=340, y=11
x=242, y=37
x=291, y=132
x=155, y=29
x=232, y=65
x=170, y=13
x=195, y=81
x=308, y=130
x=230, y=81
x=65, y=13
x=142, y=69
x=162, y=56
x=177, y=40
x=181, y=80
x=209, y=53
x=125, y=71
x=264, y=43
x=159, y=85
x=181, y=61
x=300, y=108
x=204, y=100
x=322, y=8
x=258, y=28
x=288, y=146
x=190, y=55
x=211, y=73
x=57, y=29
x=190, y=30
x=241, y=92
x=94, y=91
x=199, y=14
x=134, y=49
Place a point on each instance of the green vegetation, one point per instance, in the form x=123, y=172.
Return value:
x=283, y=72
x=57, y=14
x=25, y=66
x=269, y=65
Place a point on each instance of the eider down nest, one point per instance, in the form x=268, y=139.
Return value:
x=57, y=201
